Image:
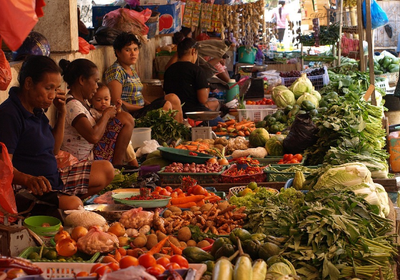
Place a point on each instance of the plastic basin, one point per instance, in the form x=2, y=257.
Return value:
x=35, y=223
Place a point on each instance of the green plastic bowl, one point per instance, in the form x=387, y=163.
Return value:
x=35, y=223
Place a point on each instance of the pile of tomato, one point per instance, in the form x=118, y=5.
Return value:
x=264, y=101
x=153, y=266
x=291, y=159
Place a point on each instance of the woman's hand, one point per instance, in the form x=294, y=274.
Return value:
x=59, y=101
x=110, y=112
x=38, y=185
x=119, y=105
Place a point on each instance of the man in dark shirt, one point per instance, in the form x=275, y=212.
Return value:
x=188, y=81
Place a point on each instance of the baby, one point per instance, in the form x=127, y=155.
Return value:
x=100, y=101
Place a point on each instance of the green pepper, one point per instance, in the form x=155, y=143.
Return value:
x=386, y=62
x=219, y=242
x=393, y=68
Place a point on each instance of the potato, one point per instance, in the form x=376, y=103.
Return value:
x=206, y=207
x=174, y=241
x=183, y=244
x=151, y=241
x=194, y=208
x=203, y=243
x=175, y=210
x=160, y=236
x=139, y=241
x=223, y=205
x=191, y=243
x=184, y=234
x=167, y=213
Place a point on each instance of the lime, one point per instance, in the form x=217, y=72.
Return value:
x=252, y=185
x=51, y=255
x=33, y=256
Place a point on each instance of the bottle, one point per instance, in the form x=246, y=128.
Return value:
x=232, y=92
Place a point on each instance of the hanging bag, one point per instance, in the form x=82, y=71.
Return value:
x=5, y=71
x=378, y=15
x=7, y=198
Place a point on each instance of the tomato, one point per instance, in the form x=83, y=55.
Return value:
x=103, y=270
x=127, y=261
x=173, y=265
x=287, y=157
x=147, y=260
x=174, y=195
x=96, y=266
x=299, y=157
x=199, y=190
x=82, y=274
x=164, y=261
x=158, y=189
x=168, y=188
x=293, y=160
x=183, y=263
x=165, y=192
x=155, y=270
x=114, y=266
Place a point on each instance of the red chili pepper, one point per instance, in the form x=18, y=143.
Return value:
x=207, y=248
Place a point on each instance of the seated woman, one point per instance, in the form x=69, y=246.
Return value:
x=187, y=80
x=32, y=143
x=125, y=84
x=81, y=129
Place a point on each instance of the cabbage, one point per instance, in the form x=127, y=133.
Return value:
x=301, y=85
x=316, y=94
x=283, y=97
x=345, y=175
x=355, y=177
x=310, y=97
x=279, y=269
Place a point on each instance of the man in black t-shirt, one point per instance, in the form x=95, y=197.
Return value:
x=188, y=81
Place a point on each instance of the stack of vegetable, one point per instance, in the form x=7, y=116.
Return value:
x=350, y=129
x=326, y=234
x=386, y=64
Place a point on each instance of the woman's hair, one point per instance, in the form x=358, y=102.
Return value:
x=282, y=3
x=35, y=66
x=125, y=39
x=178, y=37
x=186, y=31
x=72, y=71
x=185, y=45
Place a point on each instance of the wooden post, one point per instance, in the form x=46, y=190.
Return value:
x=363, y=66
x=370, y=49
x=340, y=3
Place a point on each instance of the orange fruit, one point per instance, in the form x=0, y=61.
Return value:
x=127, y=261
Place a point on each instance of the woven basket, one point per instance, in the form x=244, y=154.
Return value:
x=235, y=190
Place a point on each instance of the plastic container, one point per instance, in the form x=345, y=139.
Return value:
x=233, y=92
x=394, y=151
x=35, y=223
x=139, y=135
x=247, y=56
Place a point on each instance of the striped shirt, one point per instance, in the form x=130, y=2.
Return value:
x=131, y=85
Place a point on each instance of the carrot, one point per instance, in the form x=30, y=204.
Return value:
x=191, y=148
x=175, y=249
x=192, y=198
x=230, y=122
x=159, y=245
x=214, y=128
x=221, y=133
x=186, y=205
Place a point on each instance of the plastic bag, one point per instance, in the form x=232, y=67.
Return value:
x=301, y=136
x=128, y=20
x=20, y=19
x=5, y=71
x=132, y=272
x=136, y=218
x=65, y=159
x=149, y=147
x=378, y=15
x=106, y=35
x=84, y=46
x=7, y=198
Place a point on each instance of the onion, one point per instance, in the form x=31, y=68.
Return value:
x=223, y=161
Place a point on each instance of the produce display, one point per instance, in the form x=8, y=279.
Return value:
x=331, y=220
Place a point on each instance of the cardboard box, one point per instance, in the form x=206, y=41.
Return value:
x=170, y=17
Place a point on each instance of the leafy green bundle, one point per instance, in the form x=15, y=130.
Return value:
x=331, y=235
x=164, y=127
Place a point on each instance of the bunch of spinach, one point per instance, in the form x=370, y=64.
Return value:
x=329, y=235
x=164, y=127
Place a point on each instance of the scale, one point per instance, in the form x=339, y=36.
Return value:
x=256, y=86
x=203, y=132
